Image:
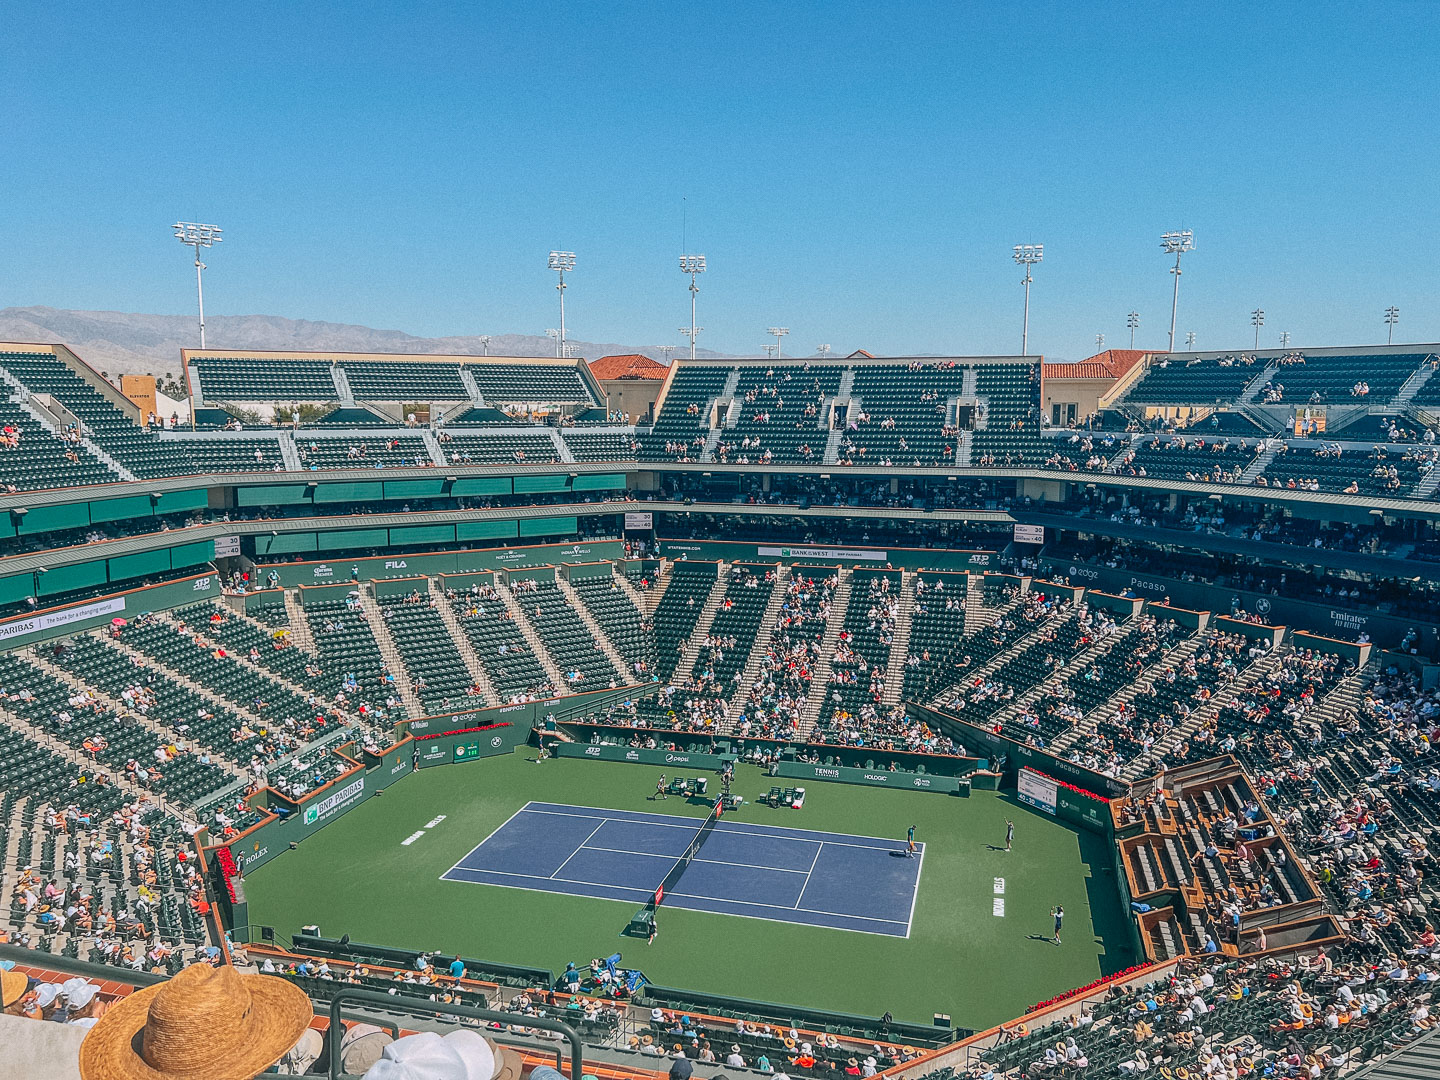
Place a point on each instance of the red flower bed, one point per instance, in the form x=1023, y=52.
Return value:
x=1081, y=791
x=461, y=731
x=228, y=870
x=1081, y=991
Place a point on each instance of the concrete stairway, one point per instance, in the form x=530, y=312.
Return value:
x=820, y=682
x=299, y=625
x=389, y=651
x=244, y=661
x=761, y=645
x=977, y=616
x=43, y=738
x=691, y=652
x=1131, y=689
x=1145, y=764
x=639, y=599
x=1423, y=374
x=1259, y=464
x=478, y=675
x=596, y=630
x=900, y=644
x=532, y=638
x=1255, y=385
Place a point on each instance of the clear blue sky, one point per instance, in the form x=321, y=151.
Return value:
x=858, y=173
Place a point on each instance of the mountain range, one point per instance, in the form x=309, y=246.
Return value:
x=123, y=343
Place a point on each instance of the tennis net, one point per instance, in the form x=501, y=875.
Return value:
x=673, y=875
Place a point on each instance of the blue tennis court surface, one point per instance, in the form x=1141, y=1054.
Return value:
x=845, y=882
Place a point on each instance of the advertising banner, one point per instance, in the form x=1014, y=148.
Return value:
x=675, y=759
x=841, y=774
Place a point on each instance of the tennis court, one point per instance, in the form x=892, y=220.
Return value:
x=836, y=880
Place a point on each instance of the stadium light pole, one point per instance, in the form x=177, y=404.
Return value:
x=665, y=351
x=1176, y=243
x=694, y=265
x=822, y=350
x=1027, y=255
x=1132, y=321
x=193, y=234
x=1257, y=320
x=778, y=332
x=1099, y=342
x=1284, y=339
x=485, y=343
x=1392, y=316
x=1190, y=339
x=554, y=335
x=560, y=262
x=770, y=350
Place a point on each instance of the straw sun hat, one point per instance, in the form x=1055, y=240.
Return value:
x=210, y=1023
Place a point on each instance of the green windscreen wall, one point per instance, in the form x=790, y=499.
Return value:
x=341, y=539
x=362, y=492
x=423, y=534
x=485, y=530
x=16, y=588
x=414, y=489
x=542, y=483
x=139, y=564
x=285, y=542
x=556, y=526
x=599, y=482
x=48, y=518
x=120, y=509
x=272, y=495
x=192, y=554
x=173, y=501
x=69, y=578
x=481, y=485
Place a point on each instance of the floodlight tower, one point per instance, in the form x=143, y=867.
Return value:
x=694, y=265
x=769, y=350
x=665, y=351
x=485, y=343
x=822, y=350
x=1099, y=342
x=777, y=332
x=1027, y=255
x=1284, y=339
x=554, y=335
x=193, y=234
x=1190, y=339
x=1392, y=316
x=1132, y=321
x=1176, y=243
x=1257, y=320
x=560, y=262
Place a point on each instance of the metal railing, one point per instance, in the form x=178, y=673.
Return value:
x=387, y=1003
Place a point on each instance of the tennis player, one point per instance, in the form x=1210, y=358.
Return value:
x=910, y=843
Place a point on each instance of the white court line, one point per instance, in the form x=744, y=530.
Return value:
x=813, y=861
x=487, y=839
x=782, y=907
x=915, y=895
x=639, y=897
x=627, y=851
x=577, y=851
x=739, y=827
x=753, y=866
